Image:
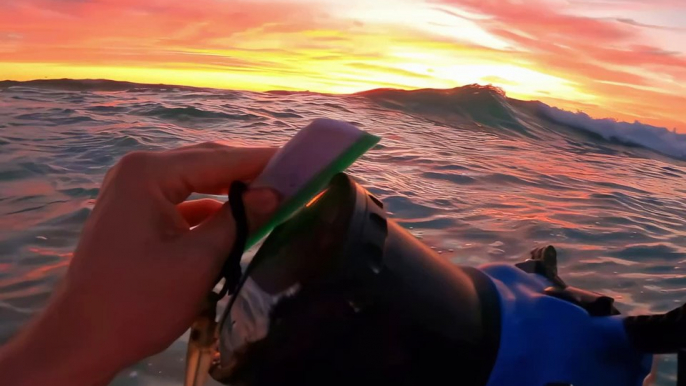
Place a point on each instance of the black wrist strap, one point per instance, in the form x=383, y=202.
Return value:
x=231, y=271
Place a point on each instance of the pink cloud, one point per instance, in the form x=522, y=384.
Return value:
x=540, y=28
x=540, y=20
x=589, y=51
x=89, y=22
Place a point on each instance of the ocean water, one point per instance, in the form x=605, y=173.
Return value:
x=477, y=176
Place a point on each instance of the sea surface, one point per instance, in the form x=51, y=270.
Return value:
x=477, y=176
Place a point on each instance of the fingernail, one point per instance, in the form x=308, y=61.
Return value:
x=262, y=200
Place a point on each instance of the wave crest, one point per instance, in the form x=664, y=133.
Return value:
x=486, y=105
x=655, y=138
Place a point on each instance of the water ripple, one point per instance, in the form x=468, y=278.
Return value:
x=477, y=190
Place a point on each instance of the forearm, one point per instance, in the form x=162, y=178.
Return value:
x=56, y=349
x=143, y=265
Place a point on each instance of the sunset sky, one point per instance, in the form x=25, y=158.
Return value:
x=619, y=58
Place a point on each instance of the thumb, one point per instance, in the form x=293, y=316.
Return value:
x=217, y=234
x=260, y=205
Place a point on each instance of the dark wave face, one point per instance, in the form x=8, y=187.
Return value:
x=488, y=106
x=477, y=176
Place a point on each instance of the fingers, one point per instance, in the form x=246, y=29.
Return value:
x=216, y=235
x=165, y=179
x=209, y=169
x=260, y=204
x=206, y=168
x=197, y=211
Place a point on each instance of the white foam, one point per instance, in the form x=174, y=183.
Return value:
x=656, y=138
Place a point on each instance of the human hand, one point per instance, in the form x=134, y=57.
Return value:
x=140, y=273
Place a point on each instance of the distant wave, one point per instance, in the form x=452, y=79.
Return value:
x=485, y=105
x=489, y=106
x=656, y=138
x=91, y=85
x=183, y=113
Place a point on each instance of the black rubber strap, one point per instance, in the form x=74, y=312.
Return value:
x=231, y=271
x=660, y=333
